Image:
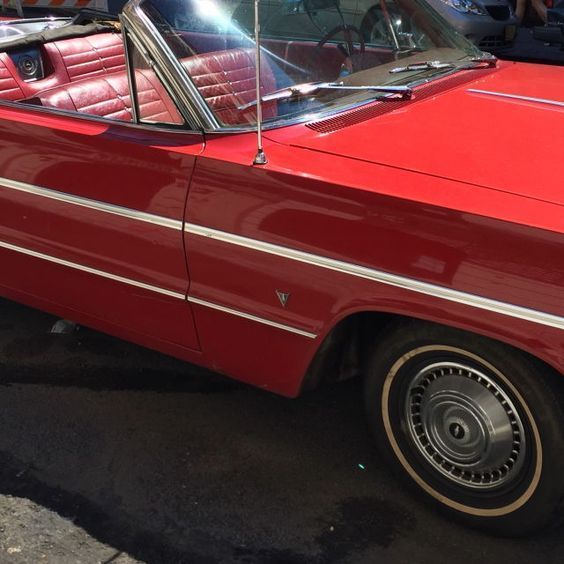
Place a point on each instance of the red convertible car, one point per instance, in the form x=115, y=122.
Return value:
x=381, y=210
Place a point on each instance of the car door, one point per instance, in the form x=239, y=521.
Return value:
x=91, y=216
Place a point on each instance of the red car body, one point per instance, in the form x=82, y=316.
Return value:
x=420, y=206
x=442, y=207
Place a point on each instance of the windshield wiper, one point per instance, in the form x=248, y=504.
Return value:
x=311, y=88
x=474, y=63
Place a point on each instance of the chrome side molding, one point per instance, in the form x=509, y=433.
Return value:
x=262, y=320
x=517, y=97
x=155, y=289
x=90, y=270
x=441, y=292
x=91, y=204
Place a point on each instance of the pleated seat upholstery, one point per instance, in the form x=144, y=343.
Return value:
x=108, y=96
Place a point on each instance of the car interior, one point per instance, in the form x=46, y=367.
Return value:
x=87, y=74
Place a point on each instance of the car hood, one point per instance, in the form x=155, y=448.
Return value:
x=481, y=138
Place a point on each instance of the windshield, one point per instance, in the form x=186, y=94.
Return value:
x=340, y=42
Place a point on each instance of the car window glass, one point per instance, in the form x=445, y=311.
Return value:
x=354, y=42
x=153, y=103
x=95, y=81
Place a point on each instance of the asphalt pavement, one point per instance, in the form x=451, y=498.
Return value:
x=113, y=453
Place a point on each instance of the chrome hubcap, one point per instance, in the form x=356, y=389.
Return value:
x=465, y=425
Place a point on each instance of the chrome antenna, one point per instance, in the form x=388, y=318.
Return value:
x=260, y=158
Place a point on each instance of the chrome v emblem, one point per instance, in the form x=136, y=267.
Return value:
x=283, y=297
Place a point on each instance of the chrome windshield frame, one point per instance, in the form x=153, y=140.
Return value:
x=145, y=35
x=188, y=98
x=130, y=74
x=192, y=105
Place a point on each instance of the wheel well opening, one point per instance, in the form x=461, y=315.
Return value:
x=340, y=356
x=344, y=350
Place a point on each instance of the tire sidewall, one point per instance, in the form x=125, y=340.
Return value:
x=527, y=381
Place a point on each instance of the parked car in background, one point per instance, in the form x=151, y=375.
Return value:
x=369, y=223
x=490, y=24
x=553, y=31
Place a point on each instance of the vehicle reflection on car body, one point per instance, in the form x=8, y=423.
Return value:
x=377, y=237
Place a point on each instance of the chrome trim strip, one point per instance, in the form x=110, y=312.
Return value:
x=35, y=20
x=250, y=317
x=90, y=270
x=108, y=122
x=131, y=78
x=91, y=204
x=517, y=97
x=192, y=105
x=405, y=283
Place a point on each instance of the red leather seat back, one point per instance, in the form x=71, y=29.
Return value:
x=105, y=96
x=85, y=57
x=65, y=61
x=108, y=96
x=155, y=105
x=226, y=79
x=9, y=87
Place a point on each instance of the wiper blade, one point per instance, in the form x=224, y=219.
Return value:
x=311, y=88
x=422, y=66
x=474, y=63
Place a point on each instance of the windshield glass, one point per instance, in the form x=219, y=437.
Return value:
x=340, y=42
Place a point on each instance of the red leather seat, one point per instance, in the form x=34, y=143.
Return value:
x=65, y=61
x=85, y=57
x=9, y=87
x=155, y=105
x=108, y=96
x=226, y=79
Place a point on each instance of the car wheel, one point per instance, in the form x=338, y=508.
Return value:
x=474, y=424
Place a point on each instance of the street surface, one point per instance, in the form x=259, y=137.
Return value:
x=113, y=453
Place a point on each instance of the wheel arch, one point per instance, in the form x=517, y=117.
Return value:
x=345, y=347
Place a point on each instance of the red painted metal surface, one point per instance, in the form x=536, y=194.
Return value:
x=425, y=227
x=140, y=170
x=478, y=139
x=421, y=192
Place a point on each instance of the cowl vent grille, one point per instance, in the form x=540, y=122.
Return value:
x=375, y=109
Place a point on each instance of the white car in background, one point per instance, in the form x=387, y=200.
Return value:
x=490, y=24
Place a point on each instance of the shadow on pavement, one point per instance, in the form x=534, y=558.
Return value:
x=170, y=463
